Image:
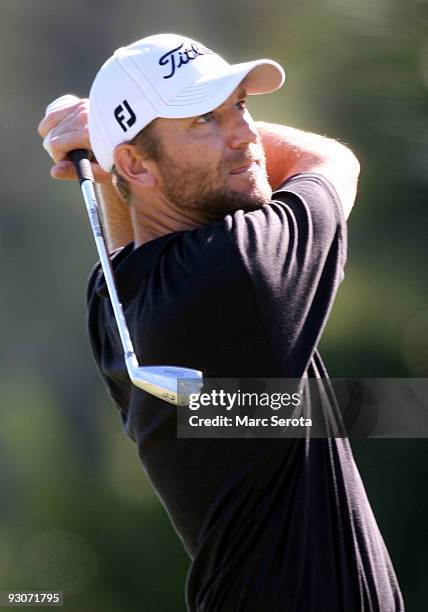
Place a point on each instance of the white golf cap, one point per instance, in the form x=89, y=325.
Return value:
x=166, y=75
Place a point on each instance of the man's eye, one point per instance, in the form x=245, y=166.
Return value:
x=205, y=118
x=242, y=104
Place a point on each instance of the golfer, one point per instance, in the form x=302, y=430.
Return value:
x=228, y=241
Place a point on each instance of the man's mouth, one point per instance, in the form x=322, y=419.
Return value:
x=244, y=167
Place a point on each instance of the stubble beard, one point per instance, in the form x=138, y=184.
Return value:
x=195, y=189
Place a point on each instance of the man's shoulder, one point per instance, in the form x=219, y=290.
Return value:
x=171, y=267
x=96, y=276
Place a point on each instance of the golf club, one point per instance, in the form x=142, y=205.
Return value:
x=161, y=381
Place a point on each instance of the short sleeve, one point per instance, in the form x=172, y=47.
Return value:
x=294, y=251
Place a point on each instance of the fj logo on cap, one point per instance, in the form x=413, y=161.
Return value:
x=177, y=57
x=125, y=121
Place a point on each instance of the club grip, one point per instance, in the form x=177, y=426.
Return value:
x=79, y=157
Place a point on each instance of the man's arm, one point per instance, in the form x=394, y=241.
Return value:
x=67, y=129
x=116, y=217
x=290, y=151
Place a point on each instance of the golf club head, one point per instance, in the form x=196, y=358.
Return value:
x=170, y=383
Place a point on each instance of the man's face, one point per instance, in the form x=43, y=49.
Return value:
x=213, y=163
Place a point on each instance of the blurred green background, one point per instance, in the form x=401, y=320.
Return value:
x=76, y=511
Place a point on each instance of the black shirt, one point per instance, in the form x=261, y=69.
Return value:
x=270, y=524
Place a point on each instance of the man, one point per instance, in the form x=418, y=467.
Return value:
x=218, y=274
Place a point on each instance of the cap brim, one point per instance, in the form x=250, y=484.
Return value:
x=208, y=92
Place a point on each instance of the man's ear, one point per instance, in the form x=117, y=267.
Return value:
x=132, y=165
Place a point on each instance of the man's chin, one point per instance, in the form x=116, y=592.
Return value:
x=257, y=194
x=253, y=185
x=223, y=203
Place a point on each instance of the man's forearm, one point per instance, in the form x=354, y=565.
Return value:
x=290, y=151
x=116, y=217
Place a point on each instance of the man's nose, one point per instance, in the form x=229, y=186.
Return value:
x=243, y=131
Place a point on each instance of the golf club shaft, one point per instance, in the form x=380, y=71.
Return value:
x=161, y=381
x=83, y=168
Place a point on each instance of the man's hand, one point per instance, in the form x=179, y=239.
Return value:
x=65, y=128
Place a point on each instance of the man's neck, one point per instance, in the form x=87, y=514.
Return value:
x=150, y=222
